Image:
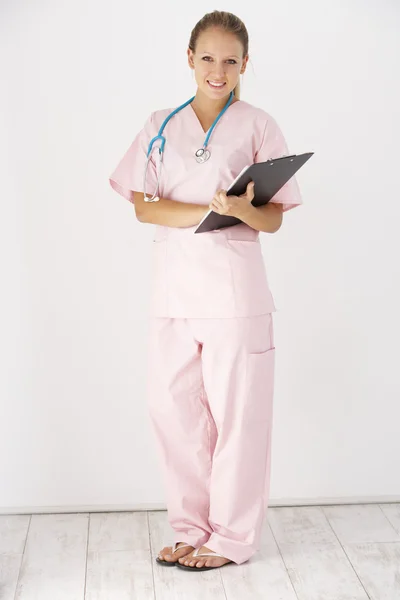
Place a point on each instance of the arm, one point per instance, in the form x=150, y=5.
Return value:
x=266, y=218
x=168, y=212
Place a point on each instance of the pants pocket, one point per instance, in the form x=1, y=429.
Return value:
x=260, y=385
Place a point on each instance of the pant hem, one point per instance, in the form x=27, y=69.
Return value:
x=222, y=545
x=195, y=542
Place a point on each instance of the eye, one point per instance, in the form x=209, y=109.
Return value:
x=232, y=61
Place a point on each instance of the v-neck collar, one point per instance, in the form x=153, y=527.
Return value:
x=204, y=133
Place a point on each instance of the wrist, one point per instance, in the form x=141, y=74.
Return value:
x=245, y=211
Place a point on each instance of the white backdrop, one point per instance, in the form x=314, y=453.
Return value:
x=79, y=80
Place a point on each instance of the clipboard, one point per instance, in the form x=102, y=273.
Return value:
x=269, y=177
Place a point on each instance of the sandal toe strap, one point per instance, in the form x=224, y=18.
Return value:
x=211, y=554
x=175, y=547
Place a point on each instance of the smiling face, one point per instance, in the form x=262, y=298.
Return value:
x=217, y=62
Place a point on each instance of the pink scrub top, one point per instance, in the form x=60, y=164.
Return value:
x=218, y=274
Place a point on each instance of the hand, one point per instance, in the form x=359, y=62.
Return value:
x=233, y=206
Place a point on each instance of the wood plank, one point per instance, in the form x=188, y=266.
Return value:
x=118, y=531
x=378, y=567
x=372, y=544
x=360, y=523
x=53, y=565
x=263, y=576
x=317, y=564
x=392, y=513
x=299, y=525
x=172, y=583
x=13, y=532
x=119, y=562
x=10, y=565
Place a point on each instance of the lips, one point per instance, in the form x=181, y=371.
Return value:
x=216, y=85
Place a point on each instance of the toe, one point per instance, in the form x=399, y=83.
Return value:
x=166, y=553
x=184, y=560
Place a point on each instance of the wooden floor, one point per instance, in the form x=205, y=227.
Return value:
x=349, y=552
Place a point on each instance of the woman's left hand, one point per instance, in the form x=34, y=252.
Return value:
x=232, y=206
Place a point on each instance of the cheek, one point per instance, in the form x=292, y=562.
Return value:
x=202, y=70
x=234, y=71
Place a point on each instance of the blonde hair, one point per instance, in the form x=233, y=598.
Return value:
x=227, y=22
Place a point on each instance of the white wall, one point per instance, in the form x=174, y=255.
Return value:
x=80, y=79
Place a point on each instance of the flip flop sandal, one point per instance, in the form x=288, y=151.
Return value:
x=172, y=563
x=195, y=554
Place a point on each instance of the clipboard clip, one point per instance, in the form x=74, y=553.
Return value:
x=291, y=156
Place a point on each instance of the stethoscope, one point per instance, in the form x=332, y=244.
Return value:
x=201, y=155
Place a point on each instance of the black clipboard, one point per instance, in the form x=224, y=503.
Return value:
x=269, y=177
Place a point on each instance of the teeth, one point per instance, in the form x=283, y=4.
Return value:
x=217, y=84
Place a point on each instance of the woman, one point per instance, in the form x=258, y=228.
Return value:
x=211, y=348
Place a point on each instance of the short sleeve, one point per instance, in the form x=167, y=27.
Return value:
x=127, y=177
x=273, y=145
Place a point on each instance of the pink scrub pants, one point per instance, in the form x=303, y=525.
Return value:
x=210, y=399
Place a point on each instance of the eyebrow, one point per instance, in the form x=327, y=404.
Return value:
x=211, y=54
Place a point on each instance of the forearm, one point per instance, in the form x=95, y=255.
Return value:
x=266, y=218
x=171, y=213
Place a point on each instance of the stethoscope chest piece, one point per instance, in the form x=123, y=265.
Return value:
x=202, y=155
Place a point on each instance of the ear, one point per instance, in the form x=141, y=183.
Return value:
x=190, y=58
x=244, y=64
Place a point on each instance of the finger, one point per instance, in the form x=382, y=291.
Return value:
x=222, y=197
x=218, y=201
x=215, y=207
x=250, y=190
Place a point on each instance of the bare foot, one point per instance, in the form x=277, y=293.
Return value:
x=166, y=552
x=203, y=561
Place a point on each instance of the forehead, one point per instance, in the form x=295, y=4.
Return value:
x=216, y=41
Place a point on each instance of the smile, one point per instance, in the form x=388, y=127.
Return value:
x=215, y=85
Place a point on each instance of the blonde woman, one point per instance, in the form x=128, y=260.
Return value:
x=211, y=347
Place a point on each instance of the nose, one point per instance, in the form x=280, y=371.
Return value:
x=219, y=71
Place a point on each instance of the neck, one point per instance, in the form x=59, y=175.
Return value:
x=209, y=107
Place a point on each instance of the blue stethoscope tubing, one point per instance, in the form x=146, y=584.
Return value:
x=201, y=155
